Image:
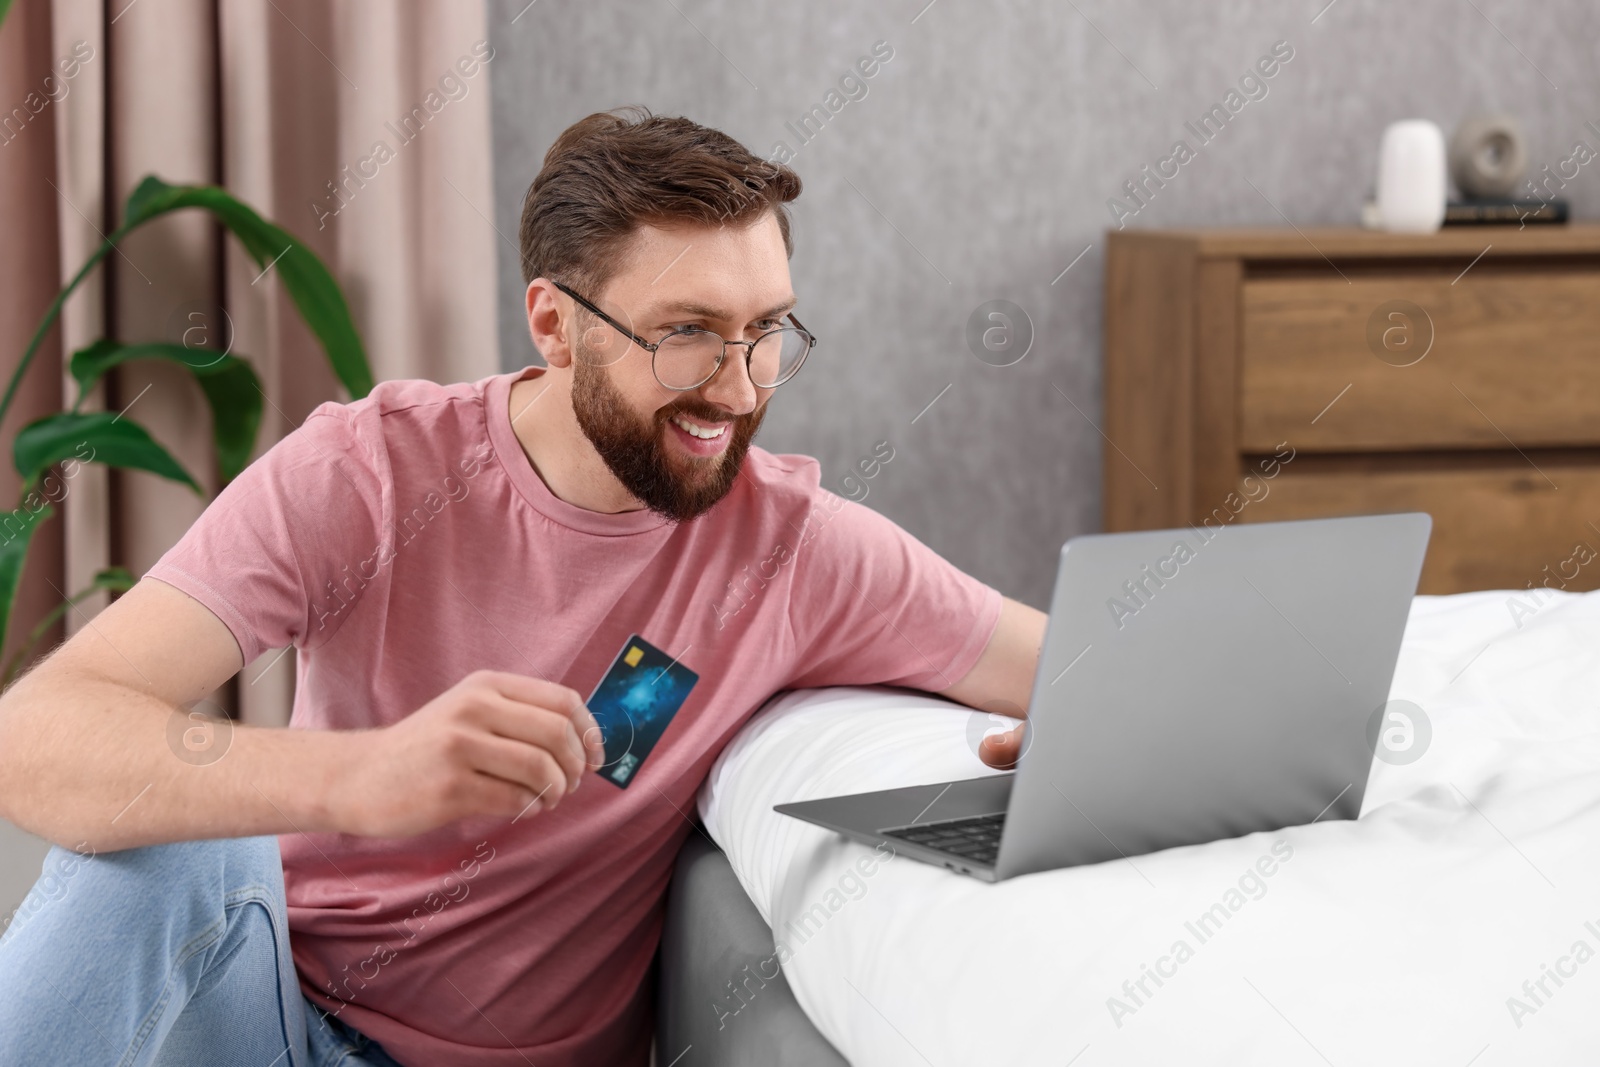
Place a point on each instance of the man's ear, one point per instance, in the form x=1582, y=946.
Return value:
x=545, y=325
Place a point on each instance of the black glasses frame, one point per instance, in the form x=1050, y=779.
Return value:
x=749, y=350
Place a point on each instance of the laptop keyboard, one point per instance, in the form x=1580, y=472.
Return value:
x=975, y=838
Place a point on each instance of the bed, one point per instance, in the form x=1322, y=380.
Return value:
x=1457, y=921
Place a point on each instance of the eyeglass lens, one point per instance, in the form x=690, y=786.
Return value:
x=685, y=360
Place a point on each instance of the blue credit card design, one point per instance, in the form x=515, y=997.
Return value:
x=640, y=693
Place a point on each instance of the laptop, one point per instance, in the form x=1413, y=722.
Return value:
x=1194, y=684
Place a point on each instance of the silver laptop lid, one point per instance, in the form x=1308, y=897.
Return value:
x=1203, y=683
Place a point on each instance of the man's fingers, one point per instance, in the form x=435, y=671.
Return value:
x=560, y=698
x=1001, y=750
x=539, y=727
x=533, y=768
x=523, y=687
x=583, y=721
x=590, y=740
x=594, y=744
x=499, y=797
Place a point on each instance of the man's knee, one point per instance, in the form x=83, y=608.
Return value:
x=229, y=861
x=207, y=870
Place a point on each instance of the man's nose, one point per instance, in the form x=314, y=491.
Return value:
x=731, y=386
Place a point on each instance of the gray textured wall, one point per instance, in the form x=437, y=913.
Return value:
x=978, y=166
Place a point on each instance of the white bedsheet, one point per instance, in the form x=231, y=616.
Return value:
x=1405, y=937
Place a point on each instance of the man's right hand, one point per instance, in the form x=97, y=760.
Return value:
x=88, y=755
x=494, y=743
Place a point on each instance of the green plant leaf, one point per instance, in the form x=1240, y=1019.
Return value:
x=16, y=531
x=310, y=286
x=5, y=5
x=230, y=385
x=112, y=440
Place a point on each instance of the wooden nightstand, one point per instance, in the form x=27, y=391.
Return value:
x=1400, y=373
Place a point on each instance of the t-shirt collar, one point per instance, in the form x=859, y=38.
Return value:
x=508, y=451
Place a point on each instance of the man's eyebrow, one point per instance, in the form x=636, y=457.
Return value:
x=706, y=311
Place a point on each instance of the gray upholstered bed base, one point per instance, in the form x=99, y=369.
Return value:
x=714, y=999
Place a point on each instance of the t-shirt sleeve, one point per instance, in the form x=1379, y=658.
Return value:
x=872, y=605
x=262, y=556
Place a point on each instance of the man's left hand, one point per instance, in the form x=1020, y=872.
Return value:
x=1000, y=751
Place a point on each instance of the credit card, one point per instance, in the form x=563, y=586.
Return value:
x=640, y=693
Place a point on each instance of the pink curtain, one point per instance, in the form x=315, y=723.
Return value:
x=29, y=269
x=362, y=127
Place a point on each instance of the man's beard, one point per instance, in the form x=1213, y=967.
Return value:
x=637, y=455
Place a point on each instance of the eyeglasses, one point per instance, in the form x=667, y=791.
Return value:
x=689, y=356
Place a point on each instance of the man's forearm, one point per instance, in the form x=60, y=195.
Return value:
x=91, y=764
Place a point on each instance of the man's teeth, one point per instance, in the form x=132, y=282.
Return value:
x=691, y=428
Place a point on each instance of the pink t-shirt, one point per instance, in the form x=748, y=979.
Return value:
x=403, y=541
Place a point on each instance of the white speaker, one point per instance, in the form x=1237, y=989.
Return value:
x=1413, y=174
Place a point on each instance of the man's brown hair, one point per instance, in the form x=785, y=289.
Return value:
x=611, y=172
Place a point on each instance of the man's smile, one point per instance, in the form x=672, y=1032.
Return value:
x=700, y=439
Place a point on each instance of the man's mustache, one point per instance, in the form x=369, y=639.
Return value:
x=705, y=416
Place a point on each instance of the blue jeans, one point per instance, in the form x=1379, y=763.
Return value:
x=166, y=955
